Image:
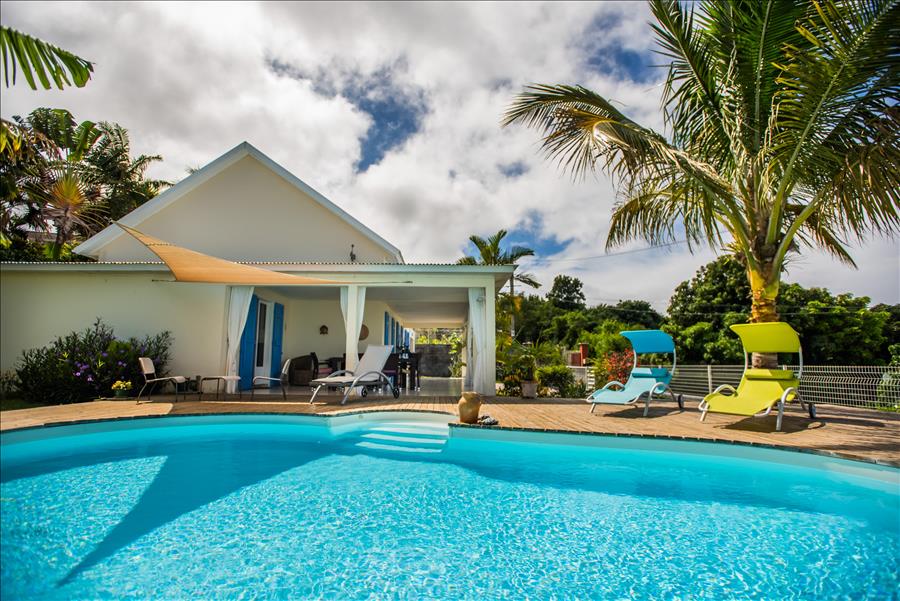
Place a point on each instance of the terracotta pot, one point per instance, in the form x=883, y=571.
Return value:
x=529, y=389
x=469, y=406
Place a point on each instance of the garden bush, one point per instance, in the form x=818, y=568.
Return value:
x=613, y=366
x=555, y=376
x=83, y=365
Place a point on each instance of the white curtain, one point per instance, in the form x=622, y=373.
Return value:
x=477, y=356
x=466, y=354
x=353, y=328
x=239, y=298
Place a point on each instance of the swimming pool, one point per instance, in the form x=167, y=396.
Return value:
x=399, y=505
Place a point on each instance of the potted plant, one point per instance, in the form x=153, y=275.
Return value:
x=121, y=388
x=526, y=362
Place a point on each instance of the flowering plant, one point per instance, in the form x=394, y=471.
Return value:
x=121, y=385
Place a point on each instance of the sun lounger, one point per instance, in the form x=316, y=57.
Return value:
x=368, y=374
x=761, y=389
x=644, y=382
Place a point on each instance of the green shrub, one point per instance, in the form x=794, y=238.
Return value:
x=555, y=376
x=10, y=387
x=83, y=365
x=575, y=390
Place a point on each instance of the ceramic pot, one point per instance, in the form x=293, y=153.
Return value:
x=529, y=389
x=121, y=394
x=469, y=405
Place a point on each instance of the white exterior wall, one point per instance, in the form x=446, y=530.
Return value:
x=37, y=307
x=249, y=213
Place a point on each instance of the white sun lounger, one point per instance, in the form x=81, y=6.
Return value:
x=368, y=374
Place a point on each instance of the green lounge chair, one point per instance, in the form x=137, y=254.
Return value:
x=644, y=381
x=761, y=389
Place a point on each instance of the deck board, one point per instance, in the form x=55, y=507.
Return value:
x=847, y=432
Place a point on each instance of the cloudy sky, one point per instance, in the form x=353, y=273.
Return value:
x=392, y=111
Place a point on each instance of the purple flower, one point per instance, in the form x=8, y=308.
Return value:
x=121, y=364
x=90, y=379
x=104, y=354
x=77, y=374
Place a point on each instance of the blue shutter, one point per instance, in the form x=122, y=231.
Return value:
x=277, y=333
x=387, y=328
x=393, y=331
x=248, y=346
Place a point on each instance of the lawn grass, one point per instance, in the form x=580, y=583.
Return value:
x=9, y=404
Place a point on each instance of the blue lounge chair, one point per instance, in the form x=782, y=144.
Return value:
x=643, y=381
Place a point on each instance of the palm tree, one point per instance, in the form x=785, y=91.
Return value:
x=491, y=253
x=68, y=204
x=109, y=164
x=783, y=131
x=34, y=57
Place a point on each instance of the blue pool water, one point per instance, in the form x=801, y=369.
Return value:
x=393, y=507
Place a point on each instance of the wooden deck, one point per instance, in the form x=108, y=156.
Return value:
x=871, y=436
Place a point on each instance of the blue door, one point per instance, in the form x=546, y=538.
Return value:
x=248, y=346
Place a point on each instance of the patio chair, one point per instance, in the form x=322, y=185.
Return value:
x=368, y=374
x=643, y=382
x=148, y=370
x=282, y=379
x=761, y=389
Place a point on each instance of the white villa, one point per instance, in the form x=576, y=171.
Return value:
x=245, y=208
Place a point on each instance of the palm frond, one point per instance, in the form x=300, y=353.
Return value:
x=848, y=74
x=528, y=279
x=36, y=58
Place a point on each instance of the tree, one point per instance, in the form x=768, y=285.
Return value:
x=783, y=132
x=490, y=252
x=566, y=293
x=35, y=57
x=840, y=330
x=110, y=166
x=66, y=180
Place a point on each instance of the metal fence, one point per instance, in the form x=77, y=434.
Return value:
x=873, y=386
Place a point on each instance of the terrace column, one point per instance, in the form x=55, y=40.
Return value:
x=353, y=305
x=490, y=342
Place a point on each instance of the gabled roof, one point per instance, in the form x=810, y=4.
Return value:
x=92, y=245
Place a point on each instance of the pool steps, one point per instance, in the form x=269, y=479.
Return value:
x=404, y=437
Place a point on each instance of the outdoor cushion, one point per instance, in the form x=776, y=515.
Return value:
x=633, y=389
x=649, y=372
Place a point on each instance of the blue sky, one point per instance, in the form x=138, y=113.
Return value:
x=392, y=110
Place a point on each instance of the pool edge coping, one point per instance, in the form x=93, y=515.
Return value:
x=759, y=445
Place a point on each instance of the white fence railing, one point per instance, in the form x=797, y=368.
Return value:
x=848, y=385
x=584, y=374
x=873, y=386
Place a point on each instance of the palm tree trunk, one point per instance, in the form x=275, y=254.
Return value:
x=764, y=286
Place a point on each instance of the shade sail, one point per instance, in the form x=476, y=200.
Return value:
x=191, y=266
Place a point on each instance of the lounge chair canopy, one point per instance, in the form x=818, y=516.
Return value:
x=774, y=337
x=650, y=341
x=191, y=266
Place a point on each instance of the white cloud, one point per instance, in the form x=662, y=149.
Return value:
x=190, y=81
